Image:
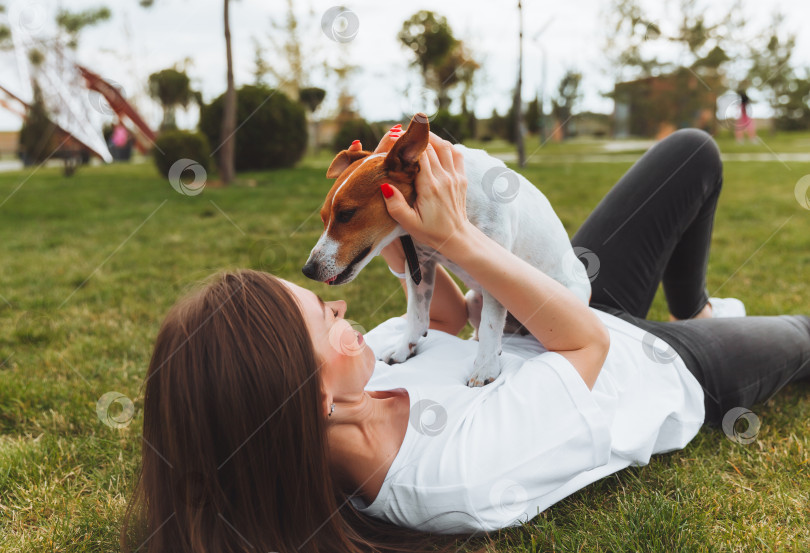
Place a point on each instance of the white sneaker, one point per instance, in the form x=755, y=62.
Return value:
x=727, y=307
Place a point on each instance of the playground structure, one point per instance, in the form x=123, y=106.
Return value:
x=72, y=95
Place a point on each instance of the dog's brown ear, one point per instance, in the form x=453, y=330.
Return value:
x=407, y=149
x=343, y=160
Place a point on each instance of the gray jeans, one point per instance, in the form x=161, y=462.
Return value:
x=654, y=226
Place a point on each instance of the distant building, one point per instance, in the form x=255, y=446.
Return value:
x=656, y=106
x=9, y=143
x=588, y=123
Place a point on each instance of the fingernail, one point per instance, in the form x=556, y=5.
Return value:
x=386, y=190
x=355, y=142
x=395, y=134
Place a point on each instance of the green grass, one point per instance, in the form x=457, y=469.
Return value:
x=91, y=264
x=538, y=149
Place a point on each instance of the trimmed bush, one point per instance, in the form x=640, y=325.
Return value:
x=356, y=129
x=272, y=129
x=38, y=136
x=177, y=145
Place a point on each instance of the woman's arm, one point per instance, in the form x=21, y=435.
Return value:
x=448, y=308
x=551, y=312
x=548, y=310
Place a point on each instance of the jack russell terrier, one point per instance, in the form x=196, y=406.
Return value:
x=357, y=227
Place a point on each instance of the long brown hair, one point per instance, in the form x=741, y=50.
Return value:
x=234, y=453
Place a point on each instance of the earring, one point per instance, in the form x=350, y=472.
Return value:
x=331, y=409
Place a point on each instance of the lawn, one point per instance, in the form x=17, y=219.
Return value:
x=91, y=264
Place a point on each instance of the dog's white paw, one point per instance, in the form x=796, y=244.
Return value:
x=485, y=370
x=398, y=354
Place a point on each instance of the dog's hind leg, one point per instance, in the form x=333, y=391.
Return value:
x=487, y=365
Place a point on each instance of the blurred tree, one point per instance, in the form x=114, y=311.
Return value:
x=5, y=32
x=261, y=68
x=794, y=112
x=453, y=128
x=298, y=55
x=568, y=94
x=174, y=145
x=772, y=74
x=228, y=128
x=467, y=73
x=442, y=59
x=172, y=88
x=629, y=30
x=37, y=133
x=533, y=115
x=311, y=97
x=343, y=71
x=291, y=80
x=272, y=128
x=72, y=23
x=228, y=141
x=355, y=129
x=297, y=63
x=517, y=104
x=704, y=45
x=497, y=126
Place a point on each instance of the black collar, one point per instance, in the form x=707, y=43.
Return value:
x=411, y=258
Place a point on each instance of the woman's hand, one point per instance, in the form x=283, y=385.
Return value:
x=439, y=212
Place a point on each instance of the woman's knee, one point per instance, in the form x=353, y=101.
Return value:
x=802, y=325
x=699, y=148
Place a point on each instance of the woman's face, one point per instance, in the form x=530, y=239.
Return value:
x=346, y=361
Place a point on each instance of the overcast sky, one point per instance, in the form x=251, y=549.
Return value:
x=138, y=41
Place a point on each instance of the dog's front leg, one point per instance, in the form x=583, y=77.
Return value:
x=487, y=365
x=419, y=297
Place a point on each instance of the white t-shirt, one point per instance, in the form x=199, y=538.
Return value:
x=486, y=458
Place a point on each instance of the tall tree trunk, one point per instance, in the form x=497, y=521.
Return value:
x=229, y=111
x=518, y=105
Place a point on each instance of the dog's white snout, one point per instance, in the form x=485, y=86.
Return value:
x=321, y=263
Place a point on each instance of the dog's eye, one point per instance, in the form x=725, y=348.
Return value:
x=345, y=216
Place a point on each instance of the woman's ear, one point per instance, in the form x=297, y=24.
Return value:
x=343, y=160
x=328, y=400
x=406, y=150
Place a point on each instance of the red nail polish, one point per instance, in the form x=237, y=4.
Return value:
x=355, y=142
x=387, y=190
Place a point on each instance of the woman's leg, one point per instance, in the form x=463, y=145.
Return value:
x=738, y=361
x=655, y=225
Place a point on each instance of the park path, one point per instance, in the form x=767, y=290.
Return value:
x=10, y=165
x=511, y=157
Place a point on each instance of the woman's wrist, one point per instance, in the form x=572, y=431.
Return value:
x=462, y=242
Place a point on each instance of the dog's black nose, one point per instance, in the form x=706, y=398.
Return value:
x=310, y=270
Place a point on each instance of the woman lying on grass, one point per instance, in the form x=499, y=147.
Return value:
x=268, y=425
